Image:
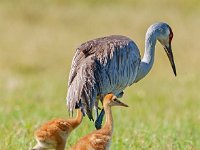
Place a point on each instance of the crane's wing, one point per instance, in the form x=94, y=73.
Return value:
x=81, y=84
x=95, y=70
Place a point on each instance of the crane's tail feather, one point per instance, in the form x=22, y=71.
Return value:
x=83, y=87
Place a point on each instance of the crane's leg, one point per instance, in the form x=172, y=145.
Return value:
x=98, y=122
x=96, y=107
x=99, y=119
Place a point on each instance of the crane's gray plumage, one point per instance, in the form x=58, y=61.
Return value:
x=108, y=64
x=101, y=66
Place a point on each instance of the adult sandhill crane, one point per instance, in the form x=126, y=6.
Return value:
x=53, y=134
x=100, y=139
x=110, y=64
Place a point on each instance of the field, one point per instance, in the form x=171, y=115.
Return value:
x=38, y=40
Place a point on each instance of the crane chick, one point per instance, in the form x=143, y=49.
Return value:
x=100, y=139
x=53, y=134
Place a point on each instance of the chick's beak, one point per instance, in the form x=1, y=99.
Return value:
x=169, y=53
x=119, y=103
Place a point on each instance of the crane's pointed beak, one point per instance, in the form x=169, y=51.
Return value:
x=168, y=50
x=119, y=103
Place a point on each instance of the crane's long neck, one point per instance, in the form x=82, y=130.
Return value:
x=148, y=58
x=76, y=121
x=109, y=119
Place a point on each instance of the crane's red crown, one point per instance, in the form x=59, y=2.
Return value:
x=170, y=34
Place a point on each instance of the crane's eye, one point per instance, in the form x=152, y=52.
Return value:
x=114, y=99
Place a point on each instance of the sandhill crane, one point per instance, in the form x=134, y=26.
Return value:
x=53, y=134
x=110, y=64
x=100, y=139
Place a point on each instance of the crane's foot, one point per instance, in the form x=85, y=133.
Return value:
x=98, y=122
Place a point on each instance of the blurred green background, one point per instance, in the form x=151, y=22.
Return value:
x=38, y=39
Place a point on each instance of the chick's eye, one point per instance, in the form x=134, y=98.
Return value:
x=115, y=99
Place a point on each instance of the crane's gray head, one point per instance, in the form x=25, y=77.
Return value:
x=164, y=35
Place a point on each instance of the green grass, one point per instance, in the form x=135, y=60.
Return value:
x=37, y=43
